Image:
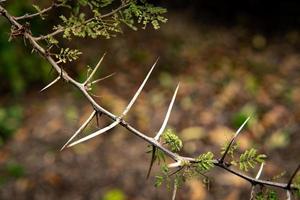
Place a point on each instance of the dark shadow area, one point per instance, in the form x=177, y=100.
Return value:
x=267, y=16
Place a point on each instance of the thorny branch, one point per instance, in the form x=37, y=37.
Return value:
x=119, y=120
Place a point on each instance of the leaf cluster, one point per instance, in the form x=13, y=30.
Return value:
x=250, y=158
x=81, y=27
x=205, y=162
x=67, y=55
x=136, y=12
x=159, y=179
x=144, y=14
x=231, y=151
x=172, y=140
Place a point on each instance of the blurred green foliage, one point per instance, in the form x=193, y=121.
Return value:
x=10, y=120
x=239, y=117
x=15, y=170
x=11, y=170
x=114, y=194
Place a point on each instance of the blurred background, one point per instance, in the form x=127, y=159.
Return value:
x=233, y=59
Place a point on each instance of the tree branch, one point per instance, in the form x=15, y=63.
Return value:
x=126, y=110
x=117, y=120
x=28, y=16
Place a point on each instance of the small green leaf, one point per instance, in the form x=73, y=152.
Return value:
x=37, y=8
x=68, y=55
x=158, y=181
x=172, y=140
x=250, y=158
x=205, y=162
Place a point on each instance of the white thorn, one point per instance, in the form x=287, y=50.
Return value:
x=138, y=91
x=260, y=171
x=175, y=164
x=164, y=124
x=288, y=195
x=94, y=70
x=103, y=130
x=241, y=127
x=50, y=84
x=80, y=129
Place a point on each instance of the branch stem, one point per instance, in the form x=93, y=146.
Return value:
x=131, y=129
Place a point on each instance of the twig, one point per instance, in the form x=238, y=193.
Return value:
x=126, y=110
x=42, y=37
x=28, y=16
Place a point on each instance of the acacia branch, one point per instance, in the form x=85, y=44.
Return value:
x=116, y=119
x=126, y=110
x=56, y=32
